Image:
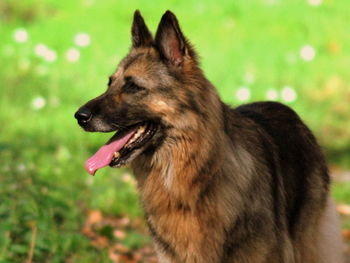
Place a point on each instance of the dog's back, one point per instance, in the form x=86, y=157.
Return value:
x=304, y=213
x=299, y=172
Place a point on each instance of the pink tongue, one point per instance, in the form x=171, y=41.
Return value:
x=105, y=154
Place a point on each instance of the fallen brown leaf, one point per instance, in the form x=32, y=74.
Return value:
x=95, y=228
x=94, y=216
x=119, y=234
x=346, y=234
x=343, y=209
x=100, y=242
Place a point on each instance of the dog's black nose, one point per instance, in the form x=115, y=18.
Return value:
x=83, y=115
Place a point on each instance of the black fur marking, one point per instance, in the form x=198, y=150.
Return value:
x=276, y=185
x=207, y=188
x=130, y=87
x=177, y=75
x=183, y=207
x=193, y=106
x=126, y=115
x=167, y=92
x=158, y=239
x=205, y=177
x=234, y=236
x=245, y=229
x=141, y=36
x=190, y=159
x=156, y=144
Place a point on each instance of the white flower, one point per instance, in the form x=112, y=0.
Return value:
x=82, y=39
x=307, y=53
x=243, y=94
x=50, y=55
x=73, y=54
x=20, y=35
x=41, y=50
x=38, y=103
x=288, y=94
x=314, y=2
x=271, y=94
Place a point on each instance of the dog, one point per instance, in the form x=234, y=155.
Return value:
x=218, y=184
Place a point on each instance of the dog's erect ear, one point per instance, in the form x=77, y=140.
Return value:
x=170, y=40
x=139, y=31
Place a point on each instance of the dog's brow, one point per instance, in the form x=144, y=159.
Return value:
x=128, y=78
x=131, y=60
x=137, y=80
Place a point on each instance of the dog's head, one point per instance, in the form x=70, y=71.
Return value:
x=146, y=96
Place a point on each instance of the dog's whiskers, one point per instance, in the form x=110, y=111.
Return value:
x=118, y=126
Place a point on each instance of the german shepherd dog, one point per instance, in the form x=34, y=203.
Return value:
x=217, y=184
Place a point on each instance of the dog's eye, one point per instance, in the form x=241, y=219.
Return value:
x=130, y=87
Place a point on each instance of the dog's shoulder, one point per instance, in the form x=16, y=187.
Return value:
x=276, y=119
x=269, y=111
x=273, y=118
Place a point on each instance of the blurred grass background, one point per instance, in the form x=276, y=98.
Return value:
x=56, y=55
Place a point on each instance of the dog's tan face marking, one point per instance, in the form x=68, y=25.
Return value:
x=163, y=106
x=144, y=67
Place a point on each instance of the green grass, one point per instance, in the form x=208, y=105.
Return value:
x=42, y=151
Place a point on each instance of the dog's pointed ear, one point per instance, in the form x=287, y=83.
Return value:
x=169, y=39
x=141, y=36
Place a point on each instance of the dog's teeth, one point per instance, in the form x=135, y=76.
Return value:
x=141, y=129
x=116, y=154
x=138, y=133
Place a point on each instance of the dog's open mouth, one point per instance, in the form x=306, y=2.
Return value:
x=118, y=150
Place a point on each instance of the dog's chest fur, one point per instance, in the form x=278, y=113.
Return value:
x=181, y=224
